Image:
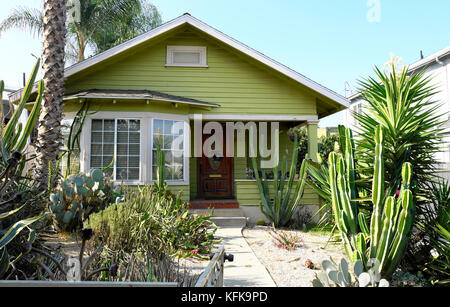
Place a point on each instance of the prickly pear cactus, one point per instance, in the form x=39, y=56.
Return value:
x=80, y=195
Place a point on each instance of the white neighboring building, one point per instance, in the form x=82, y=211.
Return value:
x=6, y=107
x=438, y=66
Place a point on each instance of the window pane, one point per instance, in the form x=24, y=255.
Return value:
x=97, y=125
x=96, y=161
x=134, y=149
x=134, y=137
x=107, y=161
x=158, y=126
x=122, y=125
x=154, y=158
x=157, y=140
x=178, y=142
x=133, y=162
x=122, y=137
x=108, y=149
x=108, y=125
x=168, y=142
x=186, y=58
x=133, y=174
x=122, y=149
x=97, y=137
x=154, y=170
x=178, y=157
x=109, y=172
x=96, y=149
x=168, y=173
x=108, y=137
x=135, y=125
x=178, y=173
x=168, y=124
x=178, y=128
x=168, y=157
x=121, y=174
x=122, y=162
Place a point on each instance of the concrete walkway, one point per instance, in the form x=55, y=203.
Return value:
x=246, y=270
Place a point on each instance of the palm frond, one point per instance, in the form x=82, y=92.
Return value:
x=24, y=18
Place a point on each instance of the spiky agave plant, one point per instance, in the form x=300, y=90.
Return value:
x=280, y=208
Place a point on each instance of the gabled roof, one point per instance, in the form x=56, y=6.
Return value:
x=188, y=19
x=137, y=95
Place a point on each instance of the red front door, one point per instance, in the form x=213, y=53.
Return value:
x=215, y=175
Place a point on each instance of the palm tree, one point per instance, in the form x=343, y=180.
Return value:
x=144, y=18
x=101, y=25
x=49, y=127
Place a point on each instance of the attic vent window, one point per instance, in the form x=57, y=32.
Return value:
x=186, y=56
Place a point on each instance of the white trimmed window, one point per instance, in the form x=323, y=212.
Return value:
x=186, y=56
x=117, y=140
x=170, y=136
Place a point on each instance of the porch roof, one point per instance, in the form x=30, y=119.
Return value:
x=136, y=95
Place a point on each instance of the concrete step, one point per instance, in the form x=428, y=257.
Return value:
x=229, y=221
x=219, y=212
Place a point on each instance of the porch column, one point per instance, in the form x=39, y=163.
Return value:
x=313, y=148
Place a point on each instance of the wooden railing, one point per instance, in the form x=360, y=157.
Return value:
x=211, y=277
x=213, y=274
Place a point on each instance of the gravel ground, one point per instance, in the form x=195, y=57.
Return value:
x=287, y=268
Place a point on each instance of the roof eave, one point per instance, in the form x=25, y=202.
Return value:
x=188, y=19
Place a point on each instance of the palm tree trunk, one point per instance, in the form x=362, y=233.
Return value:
x=49, y=138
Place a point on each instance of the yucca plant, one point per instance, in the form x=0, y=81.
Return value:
x=402, y=104
x=280, y=208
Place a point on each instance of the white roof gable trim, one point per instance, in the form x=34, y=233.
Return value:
x=188, y=19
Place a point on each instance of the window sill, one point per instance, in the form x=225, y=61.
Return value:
x=254, y=180
x=141, y=183
x=187, y=65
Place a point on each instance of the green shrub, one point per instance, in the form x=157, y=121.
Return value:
x=151, y=220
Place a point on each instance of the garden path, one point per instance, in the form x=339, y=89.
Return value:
x=246, y=270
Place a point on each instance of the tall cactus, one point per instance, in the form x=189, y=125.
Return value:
x=319, y=174
x=281, y=207
x=391, y=219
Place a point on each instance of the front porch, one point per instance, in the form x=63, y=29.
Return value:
x=243, y=191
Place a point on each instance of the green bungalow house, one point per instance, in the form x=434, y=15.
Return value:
x=139, y=90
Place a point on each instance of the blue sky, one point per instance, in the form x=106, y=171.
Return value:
x=329, y=41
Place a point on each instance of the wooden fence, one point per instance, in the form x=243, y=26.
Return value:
x=211, y=277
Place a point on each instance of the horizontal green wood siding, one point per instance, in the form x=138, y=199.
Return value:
x=183, y=189
x=232, y=80
x=247, y=194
